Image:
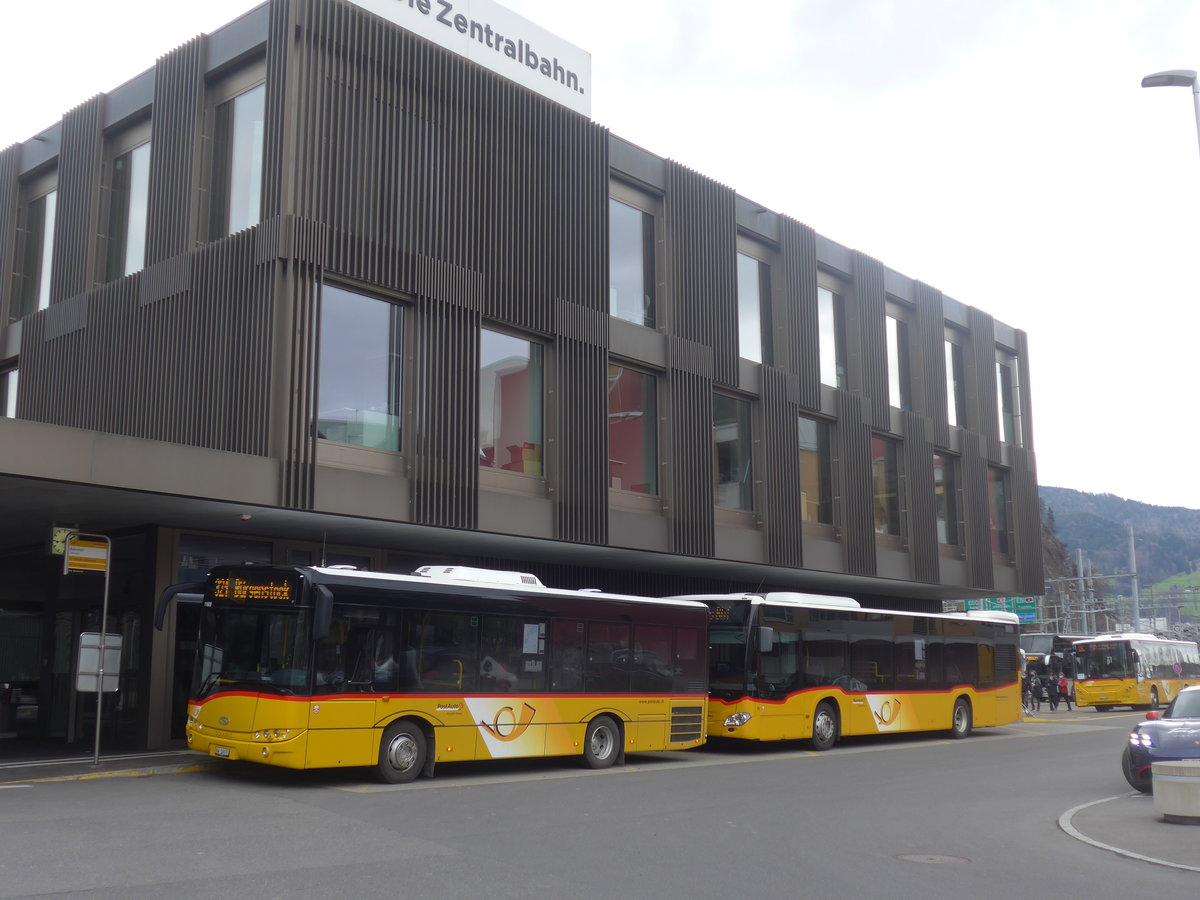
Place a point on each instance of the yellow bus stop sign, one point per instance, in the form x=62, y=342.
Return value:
x=85, y=554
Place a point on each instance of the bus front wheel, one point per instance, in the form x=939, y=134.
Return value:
x=601, y=743
x=401, y=753
x=960, y=724
x=825, y=726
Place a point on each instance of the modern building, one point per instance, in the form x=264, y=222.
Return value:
x=316, y=288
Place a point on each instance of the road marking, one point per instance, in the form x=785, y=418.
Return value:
x=1064, y=822
x=7, y=786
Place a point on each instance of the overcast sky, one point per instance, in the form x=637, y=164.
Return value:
x=1002, y=151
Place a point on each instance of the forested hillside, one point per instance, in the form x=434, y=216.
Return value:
x=1168, y=538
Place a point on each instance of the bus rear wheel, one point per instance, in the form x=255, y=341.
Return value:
x=825, y=726
x=401, y=753
x=960, y=723
x=601, y=743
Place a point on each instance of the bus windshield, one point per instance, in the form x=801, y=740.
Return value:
x=251, y=649
x=1104, y=659
x=727, y=649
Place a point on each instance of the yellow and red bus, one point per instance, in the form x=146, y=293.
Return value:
x=804, y=666
x=308, y=667
x=1140, y=671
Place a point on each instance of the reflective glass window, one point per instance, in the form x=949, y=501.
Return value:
x=631, y=284
x=897, y=352
x=998, y=511
x=1007, y=403
x=753, y=296
x=37, y=258
x=956, y=390
x=360, y=371
x=632, y=430
x=238, y=162
x=832, y=338
x=129, y=195
x=886, y=483
x=8, y=394
x=945, y=490
x=816, y=473
x=510, y=403
x=732, y=438
x=608, y=658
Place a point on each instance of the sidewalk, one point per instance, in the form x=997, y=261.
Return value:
x=1128, y=824
x=80, y=768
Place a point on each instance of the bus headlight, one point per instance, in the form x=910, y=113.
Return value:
x=737, y=719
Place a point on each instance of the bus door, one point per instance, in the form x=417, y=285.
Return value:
x=776, y=671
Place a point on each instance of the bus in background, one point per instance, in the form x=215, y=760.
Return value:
x=787, y=665
x=1049, y=654
x=1140, y=671
x=306, y=667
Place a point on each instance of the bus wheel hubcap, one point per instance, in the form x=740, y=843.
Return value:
x=824, y=727
x=402, y=752
x=601, y=743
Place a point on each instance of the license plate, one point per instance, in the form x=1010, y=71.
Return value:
x=221, y=751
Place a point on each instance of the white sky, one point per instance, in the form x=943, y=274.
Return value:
x=1002, y=151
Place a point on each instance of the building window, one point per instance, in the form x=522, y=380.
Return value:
x=631, y=275
x=35, y=257
x=998, y=511
x=510, y=403
x=632, y=430
x=885, y=479
x=238, y=163
x=945, y=498
x=1007, y=402
x=754, y=308
x=816, y=473
x=956, y=384
x=897, y=360
x=129, y=195
x=8, y=394
x=360, y=377
x=732, y=441
x=831, y=325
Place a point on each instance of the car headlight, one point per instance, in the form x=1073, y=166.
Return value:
x=1139, y=739
x=737, y=719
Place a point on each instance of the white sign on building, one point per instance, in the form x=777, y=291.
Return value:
x=498, y=39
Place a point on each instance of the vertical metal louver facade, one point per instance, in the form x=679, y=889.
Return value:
x=396, y=169
x=78, y=198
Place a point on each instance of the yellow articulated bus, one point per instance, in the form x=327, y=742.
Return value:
x=802, y=666
x=311, y=667
x=1140, y=671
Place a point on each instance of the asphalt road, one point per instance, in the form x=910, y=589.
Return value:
x=897, y=818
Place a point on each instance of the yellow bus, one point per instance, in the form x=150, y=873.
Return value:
x=310, y=667
x=1140, y=671
x=803, y=666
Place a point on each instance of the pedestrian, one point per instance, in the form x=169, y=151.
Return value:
x=1064, y=690
x=1050, y=685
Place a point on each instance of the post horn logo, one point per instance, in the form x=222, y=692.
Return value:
x=511, y=728
x=888, y=712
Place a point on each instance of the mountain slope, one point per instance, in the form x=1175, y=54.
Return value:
x=1168, y=538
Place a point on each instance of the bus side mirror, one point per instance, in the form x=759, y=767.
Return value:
x=323, y=614
x=194, y=589
x=766, y=638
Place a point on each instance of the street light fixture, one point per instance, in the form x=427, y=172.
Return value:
x=1178, y=78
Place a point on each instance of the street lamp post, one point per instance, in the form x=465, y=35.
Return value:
x=1178, y=78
